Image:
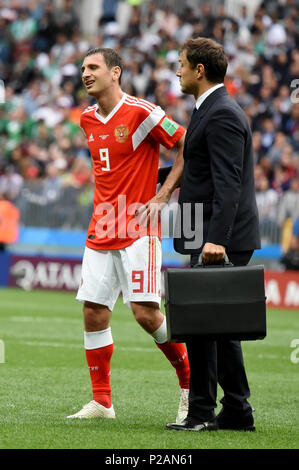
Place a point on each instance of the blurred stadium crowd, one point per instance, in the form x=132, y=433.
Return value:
x=44, y=158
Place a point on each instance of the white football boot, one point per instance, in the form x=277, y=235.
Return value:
x=93, y=409
x=183, y=405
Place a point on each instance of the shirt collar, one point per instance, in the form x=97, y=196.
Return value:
x=206, y=94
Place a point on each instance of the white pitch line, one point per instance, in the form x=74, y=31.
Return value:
x=48, y=344
x=30, y=319
x=36, y=319
x=79, y=346
x=34, y=306
x=262, y=356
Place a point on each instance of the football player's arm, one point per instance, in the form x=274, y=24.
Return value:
x=174, y=175
x=163, y=172
x=151, y=209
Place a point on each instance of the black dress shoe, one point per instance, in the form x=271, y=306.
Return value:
x=235, y=422
x=191, y=424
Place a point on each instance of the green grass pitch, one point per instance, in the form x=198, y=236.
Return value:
x=44, y=378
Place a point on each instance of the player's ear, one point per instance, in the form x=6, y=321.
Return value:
x=116, y=72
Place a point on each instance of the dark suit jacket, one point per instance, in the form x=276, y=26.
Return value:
x=219, y=172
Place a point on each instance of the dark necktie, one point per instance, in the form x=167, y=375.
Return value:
x=194, y=111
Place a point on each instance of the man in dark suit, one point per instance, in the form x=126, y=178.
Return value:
x=218, y=172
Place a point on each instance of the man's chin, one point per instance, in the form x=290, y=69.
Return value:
x=92, y=92
x=185, y=90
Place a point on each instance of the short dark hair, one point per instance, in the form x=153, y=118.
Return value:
x=210, y=54
x=111, y=58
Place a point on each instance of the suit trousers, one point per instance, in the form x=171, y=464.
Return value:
x=218, y=361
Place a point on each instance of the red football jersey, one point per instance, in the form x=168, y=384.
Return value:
x=124, y=148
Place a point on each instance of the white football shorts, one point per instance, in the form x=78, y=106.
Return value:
x=135, y=271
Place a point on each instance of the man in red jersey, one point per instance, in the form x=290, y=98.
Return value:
x=124, y=134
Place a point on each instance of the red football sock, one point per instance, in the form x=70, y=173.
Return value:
x=98, y=361
x=177, y=355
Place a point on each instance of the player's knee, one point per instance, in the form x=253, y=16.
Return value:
x=140, y=316
x=145, y=315
x=145, y=321
x=95, y=316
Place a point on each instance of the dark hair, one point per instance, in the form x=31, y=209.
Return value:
x=210, y=54
x=111, y=58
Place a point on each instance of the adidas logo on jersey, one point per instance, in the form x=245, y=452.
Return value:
x=91, y=139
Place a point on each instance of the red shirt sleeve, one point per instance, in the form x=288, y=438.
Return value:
x=167, y=132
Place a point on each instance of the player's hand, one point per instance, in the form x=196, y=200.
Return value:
x=212, y=253
x=149, y=213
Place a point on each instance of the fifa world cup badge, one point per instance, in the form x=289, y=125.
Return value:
x=121, y=133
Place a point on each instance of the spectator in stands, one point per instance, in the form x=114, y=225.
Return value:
x=11, y=183
x=6, y=40
x=275, y=152
x=257, y=146
x=292, y=125
x=267, y=200
x=23, y=28
x=46, y=30
x=268, y=133
x=290, y=259
x=9, y=221
x=207, y=20
x=289, y=204
x=66, y=18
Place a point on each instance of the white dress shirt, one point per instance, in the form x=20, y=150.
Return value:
x=202, y=97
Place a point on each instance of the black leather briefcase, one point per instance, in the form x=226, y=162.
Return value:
x=223, y=302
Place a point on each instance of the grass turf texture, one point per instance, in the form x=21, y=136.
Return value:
x=45, y=378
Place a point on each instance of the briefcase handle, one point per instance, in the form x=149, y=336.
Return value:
x=226, y=263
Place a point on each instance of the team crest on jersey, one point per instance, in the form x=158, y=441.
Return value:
x=121, y=133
